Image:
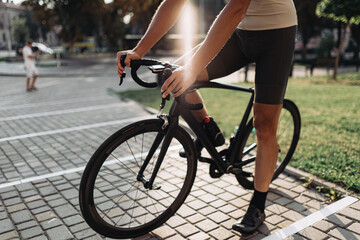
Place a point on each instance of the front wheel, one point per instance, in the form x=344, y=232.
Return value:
x=114, y=202
x=288, y=134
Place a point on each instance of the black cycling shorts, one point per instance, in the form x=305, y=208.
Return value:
x=271, y=50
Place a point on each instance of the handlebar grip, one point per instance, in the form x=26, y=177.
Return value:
x=122, y=60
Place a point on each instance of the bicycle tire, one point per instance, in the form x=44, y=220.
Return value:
x=114, y=203
x=288, y=135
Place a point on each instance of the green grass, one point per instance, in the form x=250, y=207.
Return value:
x=330, y=113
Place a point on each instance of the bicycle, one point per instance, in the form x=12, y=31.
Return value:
x=135, y=181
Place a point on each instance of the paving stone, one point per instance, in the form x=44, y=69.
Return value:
x=339, y=220
x=218, y=217
x=21, y=216
x=45, y=216
x=221, y=233
x=283, y=201
x=207, y=210
x=164, y=232
x=78, y=227
x=355, y=227
x=350, y=213
x=26, y=225
x=197, y=204
x=59, y=233
x=293, y=215
x=312, y=233
x=195, y=218
x=31, y=232
x=199, y=236
x=6, y=226
x=175, y=221
x=15, y=208
x=274, y=219
x=323, y=225
x=237, y=214
x=208, y=198
x=187, y=230
x=9, y=235
x=239, y=202
x=356, y=205
x=206, y=225
x=65, y=211
x=344, y=234
x=277, y=209
x=72, y=220
x=296, y=207
x=227, y=208
x=70, y=193
x=55, y=222
x=32, y=198
x=36, y=204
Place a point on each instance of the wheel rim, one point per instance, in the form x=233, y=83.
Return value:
x=121, y=203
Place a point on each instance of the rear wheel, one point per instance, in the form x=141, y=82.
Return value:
x=114, y=202
x=288, y=134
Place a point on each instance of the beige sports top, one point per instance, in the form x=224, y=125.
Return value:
x=269, y=14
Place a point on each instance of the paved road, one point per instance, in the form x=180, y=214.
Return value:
x=47, y=136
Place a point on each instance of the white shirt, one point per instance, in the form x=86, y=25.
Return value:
x=26, y=53
x=269, y=14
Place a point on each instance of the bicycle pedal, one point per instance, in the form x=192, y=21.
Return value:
x=239, y=171
x=206, y=160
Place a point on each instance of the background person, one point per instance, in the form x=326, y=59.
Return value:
x=245, y=31
x=31, y=70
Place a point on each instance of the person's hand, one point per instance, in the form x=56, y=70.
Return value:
x=180, y=80
x=130, y=55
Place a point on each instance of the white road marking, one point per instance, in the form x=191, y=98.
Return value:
x=60, y=112
x=311, y=219
x=72, y=129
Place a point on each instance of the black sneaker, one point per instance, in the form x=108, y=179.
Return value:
x=198, y=147
x=251, y=221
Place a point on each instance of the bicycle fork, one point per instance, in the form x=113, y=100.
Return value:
x=166, y=138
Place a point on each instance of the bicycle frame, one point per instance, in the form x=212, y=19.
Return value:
x=224, y=165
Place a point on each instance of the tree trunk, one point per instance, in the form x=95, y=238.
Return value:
x=342, y=42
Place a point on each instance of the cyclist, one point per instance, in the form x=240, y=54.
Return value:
x=245, y=31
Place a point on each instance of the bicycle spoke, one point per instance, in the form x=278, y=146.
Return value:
x=122, y=163
x=132, y=153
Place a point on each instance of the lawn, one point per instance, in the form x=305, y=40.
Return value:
x=329, y=146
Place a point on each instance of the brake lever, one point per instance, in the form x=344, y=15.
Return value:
x=122, y=62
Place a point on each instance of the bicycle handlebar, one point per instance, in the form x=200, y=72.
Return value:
x=166, y=72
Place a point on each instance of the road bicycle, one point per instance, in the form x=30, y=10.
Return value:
x=135, y=181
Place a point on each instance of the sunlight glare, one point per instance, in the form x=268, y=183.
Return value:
x=187, y=22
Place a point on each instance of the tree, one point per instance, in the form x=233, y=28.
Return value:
x=19, y=31
x=39, y=18
x=347, y=12
x=308, y=21
x=78, y=18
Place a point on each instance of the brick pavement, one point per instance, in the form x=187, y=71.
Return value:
x=48, y=208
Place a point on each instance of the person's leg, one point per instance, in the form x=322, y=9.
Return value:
x=275, y=51
x=33, y=82
x=266, y=117
x=27, y=83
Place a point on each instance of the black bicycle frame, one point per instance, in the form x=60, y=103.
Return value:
x=177, y=109
x=224, y=165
